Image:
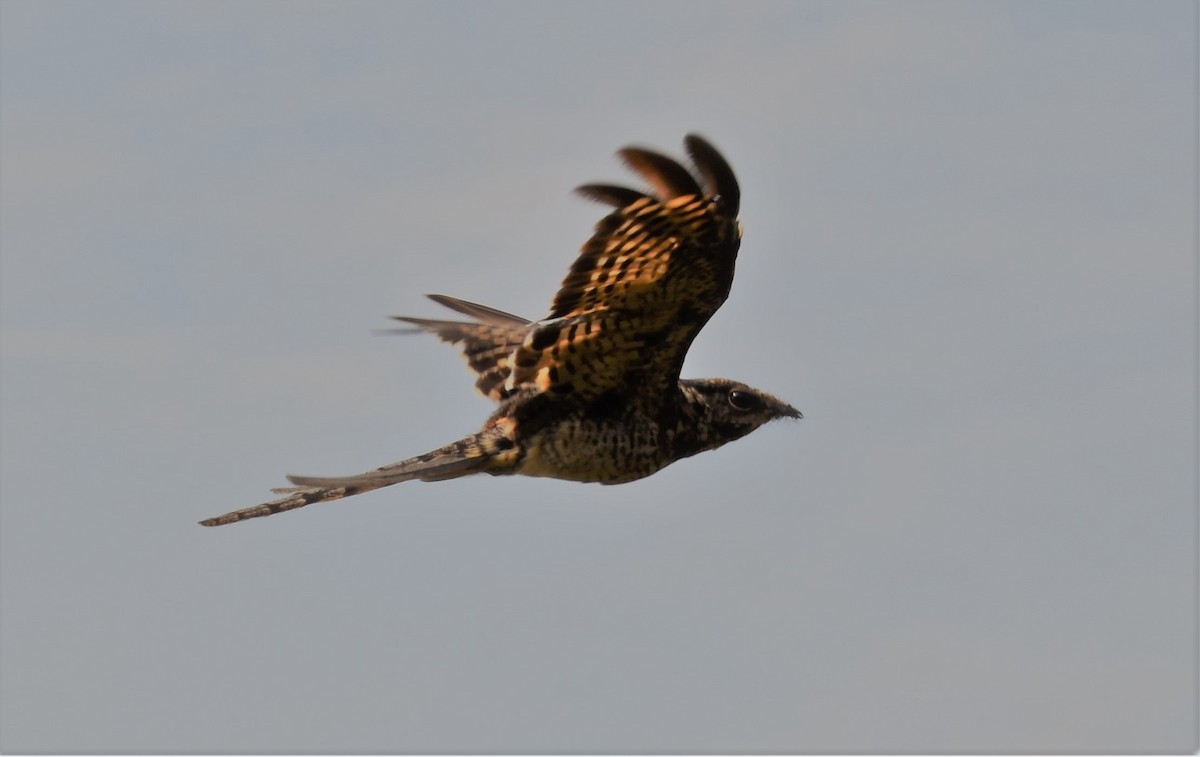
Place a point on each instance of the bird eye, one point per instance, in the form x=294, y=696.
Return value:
x=742, y=400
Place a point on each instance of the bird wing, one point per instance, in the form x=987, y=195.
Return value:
x=487, y=342
x=650, y=277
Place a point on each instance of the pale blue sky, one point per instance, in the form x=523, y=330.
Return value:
x=970, y=259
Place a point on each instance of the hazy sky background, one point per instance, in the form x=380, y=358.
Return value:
x=969, y=259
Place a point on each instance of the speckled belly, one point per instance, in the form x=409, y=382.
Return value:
x=595, y=451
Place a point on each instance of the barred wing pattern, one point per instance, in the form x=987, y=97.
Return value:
x=487, y=342
x=644, y=285
x=653, y=273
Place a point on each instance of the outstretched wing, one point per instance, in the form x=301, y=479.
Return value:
x=487, y=342
x=644, y=285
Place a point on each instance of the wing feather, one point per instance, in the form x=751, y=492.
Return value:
x=487, y=343
x=645, y=283
x=610, y=194
x=669, y=179
x=719, y=179
x=479, y=312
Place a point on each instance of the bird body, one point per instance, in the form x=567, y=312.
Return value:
x=592, y=393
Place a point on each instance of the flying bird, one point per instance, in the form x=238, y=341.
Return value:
x=592, y=391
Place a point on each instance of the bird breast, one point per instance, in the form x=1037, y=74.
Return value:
x=596, y=450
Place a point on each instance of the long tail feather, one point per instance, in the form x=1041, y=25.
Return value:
x=437, y=469
x=462, y=458
x=296, y=498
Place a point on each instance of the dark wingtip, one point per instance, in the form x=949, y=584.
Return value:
x=669, y=178
x=611, y=194
x=719, y=178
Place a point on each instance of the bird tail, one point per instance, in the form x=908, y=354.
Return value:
x=473, y=454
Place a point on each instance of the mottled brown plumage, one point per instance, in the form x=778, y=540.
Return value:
x=592, y=392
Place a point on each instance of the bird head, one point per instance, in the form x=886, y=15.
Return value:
x=726, y=410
